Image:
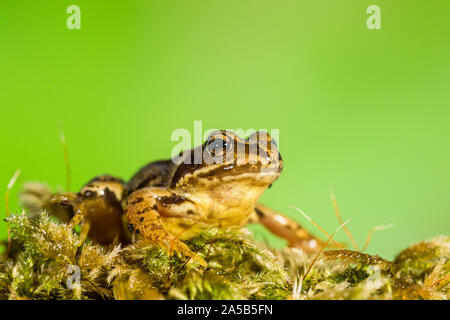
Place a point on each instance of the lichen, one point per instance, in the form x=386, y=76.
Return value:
x=51, y=262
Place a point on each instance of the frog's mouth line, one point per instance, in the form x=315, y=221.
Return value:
x=226, y=170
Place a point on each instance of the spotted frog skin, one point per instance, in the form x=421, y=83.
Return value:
x=169, y=199
x=217, y=184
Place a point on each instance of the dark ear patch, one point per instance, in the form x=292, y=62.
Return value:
x=183, y=170
x=110, y=197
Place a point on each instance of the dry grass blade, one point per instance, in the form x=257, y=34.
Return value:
x=321, y=250
x=8, y=190
x=316, y=225
x=296, y=288
x=440, y=280
x=338, y=215
x=371, y=231
x=62, y=137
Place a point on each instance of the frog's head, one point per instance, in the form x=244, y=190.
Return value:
x=99, y=201
x=102, y=191
x=225, y=158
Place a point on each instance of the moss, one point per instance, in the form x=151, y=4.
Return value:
x=427, y=263
x=51, y=262
x=422, y=257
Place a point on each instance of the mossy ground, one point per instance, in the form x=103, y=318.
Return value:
x=52, y=263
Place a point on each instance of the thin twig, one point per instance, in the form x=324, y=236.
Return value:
x=66, y=160
x=338, y=215
x=317, y=226
x=442, y=279
x=321, y=250
x=371, y=231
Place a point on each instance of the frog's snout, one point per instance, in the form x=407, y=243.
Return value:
x=63, y=199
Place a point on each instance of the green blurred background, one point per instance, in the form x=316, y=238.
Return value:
x=364, y=111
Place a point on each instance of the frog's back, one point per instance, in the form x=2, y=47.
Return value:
x=154, y=174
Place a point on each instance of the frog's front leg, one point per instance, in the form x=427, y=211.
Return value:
x=144, y=209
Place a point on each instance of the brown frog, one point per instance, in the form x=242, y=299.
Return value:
x=98, y=206
x=217, y=184
x=182, y=197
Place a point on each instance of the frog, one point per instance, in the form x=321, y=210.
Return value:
x=217, y=184
x=178, y=199
x=98, y=206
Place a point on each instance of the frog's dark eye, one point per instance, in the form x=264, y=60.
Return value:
x=89, y=194
x=218, y=146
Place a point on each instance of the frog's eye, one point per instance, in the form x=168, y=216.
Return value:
x=89, y=194
x=215, y=146
x=218, y=146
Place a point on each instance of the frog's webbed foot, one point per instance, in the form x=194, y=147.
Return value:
x=144, y=219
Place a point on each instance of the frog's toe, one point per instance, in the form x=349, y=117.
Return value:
x=179, y=246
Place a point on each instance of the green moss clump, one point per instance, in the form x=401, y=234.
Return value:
x=52, y=254
x=53, y=263
x=427, y=263
x=237, y=269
